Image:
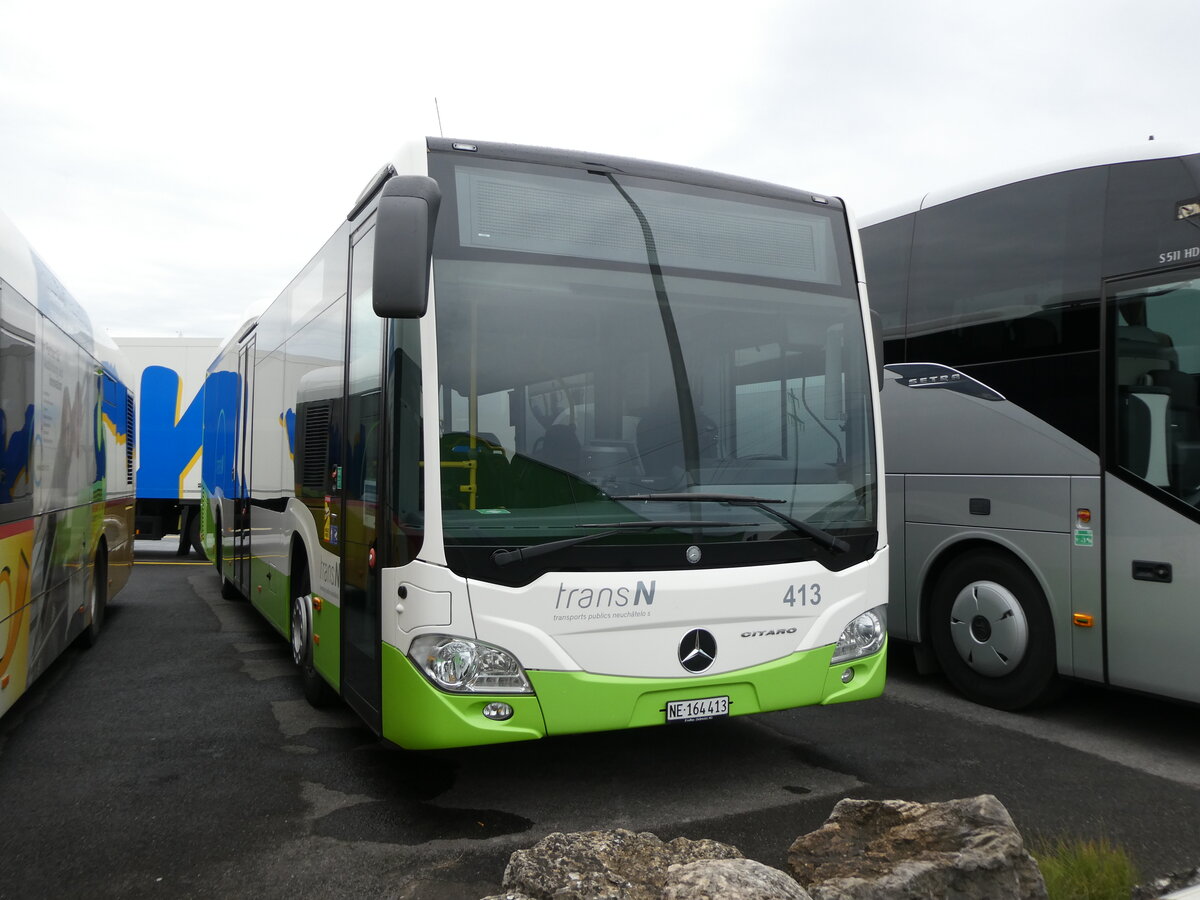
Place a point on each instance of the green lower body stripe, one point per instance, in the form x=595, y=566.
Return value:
x=417, y=716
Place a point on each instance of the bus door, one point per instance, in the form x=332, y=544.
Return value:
x=1151, y=515
x=361, y=624
x=241, y=505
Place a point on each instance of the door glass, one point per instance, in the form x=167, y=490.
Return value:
x=360, y=483
x=242, y=512
x=1155, y=328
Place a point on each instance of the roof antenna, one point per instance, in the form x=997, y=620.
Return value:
x=442, y=133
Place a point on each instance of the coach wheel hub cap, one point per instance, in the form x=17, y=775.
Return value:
x=989, y=628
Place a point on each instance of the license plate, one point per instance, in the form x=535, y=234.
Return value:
x=697, y=710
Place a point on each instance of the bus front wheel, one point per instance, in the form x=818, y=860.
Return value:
x=992, y=633
x=316, y=691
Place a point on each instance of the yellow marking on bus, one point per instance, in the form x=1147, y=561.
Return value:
x=187, y=471
x=145, y=562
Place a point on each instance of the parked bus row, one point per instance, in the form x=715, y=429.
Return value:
x=541, y=443
x=651, y=394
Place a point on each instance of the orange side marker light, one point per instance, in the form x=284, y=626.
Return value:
x=1084, y=620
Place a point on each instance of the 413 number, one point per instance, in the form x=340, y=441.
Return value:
x=803, y=594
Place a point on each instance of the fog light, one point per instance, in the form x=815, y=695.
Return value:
x=847, y=676
x=497, y=711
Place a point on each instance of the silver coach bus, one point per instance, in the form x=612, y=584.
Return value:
x=1042, y=426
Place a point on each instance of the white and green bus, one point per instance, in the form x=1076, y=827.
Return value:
x=1042, y=412
x=66, y=469
x=543, y=442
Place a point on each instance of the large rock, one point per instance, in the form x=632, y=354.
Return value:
x=730, y=879
x=603, y=865
x=894, y=850
x=1168, y=884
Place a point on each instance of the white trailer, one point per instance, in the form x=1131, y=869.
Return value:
x=169, y=374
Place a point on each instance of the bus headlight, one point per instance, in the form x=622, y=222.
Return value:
x=862, y=637
x=466, y=666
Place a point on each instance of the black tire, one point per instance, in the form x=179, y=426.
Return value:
x=229, y=590
x=193, y=532
x=316, y=690
x=98, y=599
x=992, y=633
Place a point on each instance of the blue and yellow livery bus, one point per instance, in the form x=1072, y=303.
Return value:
x=66, y=469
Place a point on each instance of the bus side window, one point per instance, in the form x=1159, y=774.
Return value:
x=982, y=263
x=16, y=407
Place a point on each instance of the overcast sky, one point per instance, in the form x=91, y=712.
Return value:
x=175, y=168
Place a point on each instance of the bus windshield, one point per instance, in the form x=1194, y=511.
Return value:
x=605, y=341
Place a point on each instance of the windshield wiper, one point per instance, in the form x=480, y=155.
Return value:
x=508, y=557
x=824, y=538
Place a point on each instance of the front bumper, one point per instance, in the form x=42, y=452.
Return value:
x=417, y=716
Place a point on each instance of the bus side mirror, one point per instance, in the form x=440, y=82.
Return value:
x=408, y=209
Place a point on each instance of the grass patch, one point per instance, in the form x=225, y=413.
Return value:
x=1084, y=870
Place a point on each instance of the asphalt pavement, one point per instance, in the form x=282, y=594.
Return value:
x=178, y=758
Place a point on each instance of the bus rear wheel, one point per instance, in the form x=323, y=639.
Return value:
x=98, y=598
x=229, y=590
x=992, y=632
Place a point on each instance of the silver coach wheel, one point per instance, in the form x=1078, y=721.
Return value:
x=989, y=628
x=300, y=628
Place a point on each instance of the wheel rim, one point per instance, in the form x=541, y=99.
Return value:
x=989, y=628
x=299, y=630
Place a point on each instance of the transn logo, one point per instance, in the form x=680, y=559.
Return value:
x=605, y=597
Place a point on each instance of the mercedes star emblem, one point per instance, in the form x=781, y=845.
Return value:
x=697, y=650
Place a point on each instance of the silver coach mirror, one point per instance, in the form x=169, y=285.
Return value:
x=408, y=209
